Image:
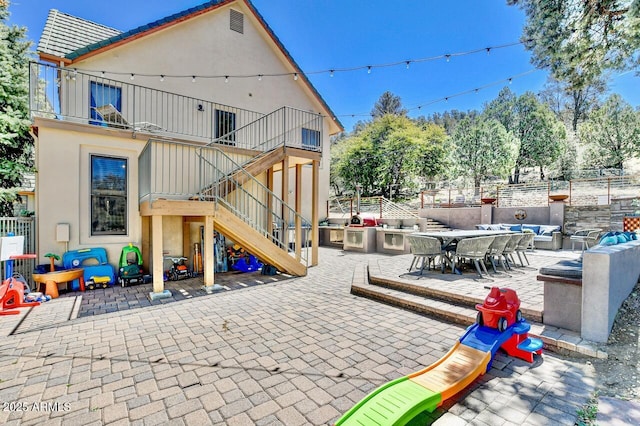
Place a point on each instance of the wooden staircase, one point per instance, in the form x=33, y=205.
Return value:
x=231, y=226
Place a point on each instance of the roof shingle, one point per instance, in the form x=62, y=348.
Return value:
x=65, y=33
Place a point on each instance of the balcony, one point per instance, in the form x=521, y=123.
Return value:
x=89, y=98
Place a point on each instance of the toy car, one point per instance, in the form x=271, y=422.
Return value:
x=501, y=309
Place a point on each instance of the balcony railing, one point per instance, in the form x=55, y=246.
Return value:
x=90, y=98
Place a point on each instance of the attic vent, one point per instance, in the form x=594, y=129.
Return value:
x=236, y=22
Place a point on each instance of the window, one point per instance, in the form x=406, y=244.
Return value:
x=225, y=124
x=106, y=104
x=108, y=195
x=310, y=138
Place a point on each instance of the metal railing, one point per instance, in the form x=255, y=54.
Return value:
x=579, y=192
x=378, y=206
x=285, y=126
x=90, y=98
x=174, y=170
x=21, y=226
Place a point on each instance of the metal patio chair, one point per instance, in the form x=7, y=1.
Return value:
x=496, y=249
x=525, y=243
x=474, y=249
x=510, y=248
x=585, y=237
x=425, y=249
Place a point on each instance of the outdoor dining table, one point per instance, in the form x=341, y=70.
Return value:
x=448, y=237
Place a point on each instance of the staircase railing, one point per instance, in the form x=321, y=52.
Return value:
x=174, y=170
x=379, y=206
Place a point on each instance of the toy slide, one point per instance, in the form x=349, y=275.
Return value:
x=399, y=401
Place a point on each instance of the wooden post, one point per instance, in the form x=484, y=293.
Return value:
x=158, y=269
x=315, y=230
x=298, y=211
x=209, y=261
x=285, y=200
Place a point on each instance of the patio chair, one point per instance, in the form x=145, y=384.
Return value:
x=474, y=249
x=424, y=248
x=585, y=237
x=111, y=116
x=496, y=249
x=510, y=248
x=525, y=243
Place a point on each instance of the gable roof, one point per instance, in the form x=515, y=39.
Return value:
x=116, y=38
x=64, y=33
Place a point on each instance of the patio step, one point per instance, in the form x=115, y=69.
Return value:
x=434, y=225
x=459, y=309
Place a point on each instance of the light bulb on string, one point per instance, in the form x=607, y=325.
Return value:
x=226, y=78
x=193, y=79
x=259, y=77
x=295, y=76
x=133, y=76
x=369, y=69
x=510, y=80
x=448, y=57
x=161, y=77
x=102, y=74
x=330, y=73
x=408, y=62
x=488, y=50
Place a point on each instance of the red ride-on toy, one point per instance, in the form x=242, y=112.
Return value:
x=501, y=309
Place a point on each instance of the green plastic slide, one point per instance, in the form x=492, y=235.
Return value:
x=394, y=403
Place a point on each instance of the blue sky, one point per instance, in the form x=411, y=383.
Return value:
x=332, y=34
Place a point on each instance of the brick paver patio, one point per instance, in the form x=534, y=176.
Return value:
x=297, y=352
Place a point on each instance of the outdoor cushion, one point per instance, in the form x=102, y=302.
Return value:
x=564, y=268
x=534, y=228
x=482, y=227
x=543, y=238
x=517, y=228
x=548, y=229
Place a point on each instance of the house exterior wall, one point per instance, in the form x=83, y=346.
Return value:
x=203, y=45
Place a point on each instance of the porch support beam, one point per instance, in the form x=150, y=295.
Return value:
x=209, y=262
x=298, y=211
x=285, y=200
x=270, y=201
x=156, y=247
x=315, y=230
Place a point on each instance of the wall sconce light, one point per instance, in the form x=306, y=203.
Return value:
x=200, y=107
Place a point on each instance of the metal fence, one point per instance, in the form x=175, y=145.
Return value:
x=578, y=192
x=26, y=227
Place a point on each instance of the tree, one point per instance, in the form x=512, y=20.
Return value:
x=483, y=148
x=572, y=105
x=612, y=134
x=388, y=104
x=579, y=40
x=538, y=133
x=388, y=155
x=16, y=145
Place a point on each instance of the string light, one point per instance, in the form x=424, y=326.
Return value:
x=332, y=71
x=161, y=77
x=446, y=98
x=488, y=50
x=102, y=74
x=295, y=76
x=226, y=78
x=193, y=79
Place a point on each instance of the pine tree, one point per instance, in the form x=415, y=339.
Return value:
x=16, y=145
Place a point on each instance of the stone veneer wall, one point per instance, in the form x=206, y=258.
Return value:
x=607, y=218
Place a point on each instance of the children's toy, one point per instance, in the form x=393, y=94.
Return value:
x=247, y=263
x=14, y=286
x=399, y=401
x=179, y=269
x=501, y=309
x=52, y=279
x=93, y=261
x=130, y=266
